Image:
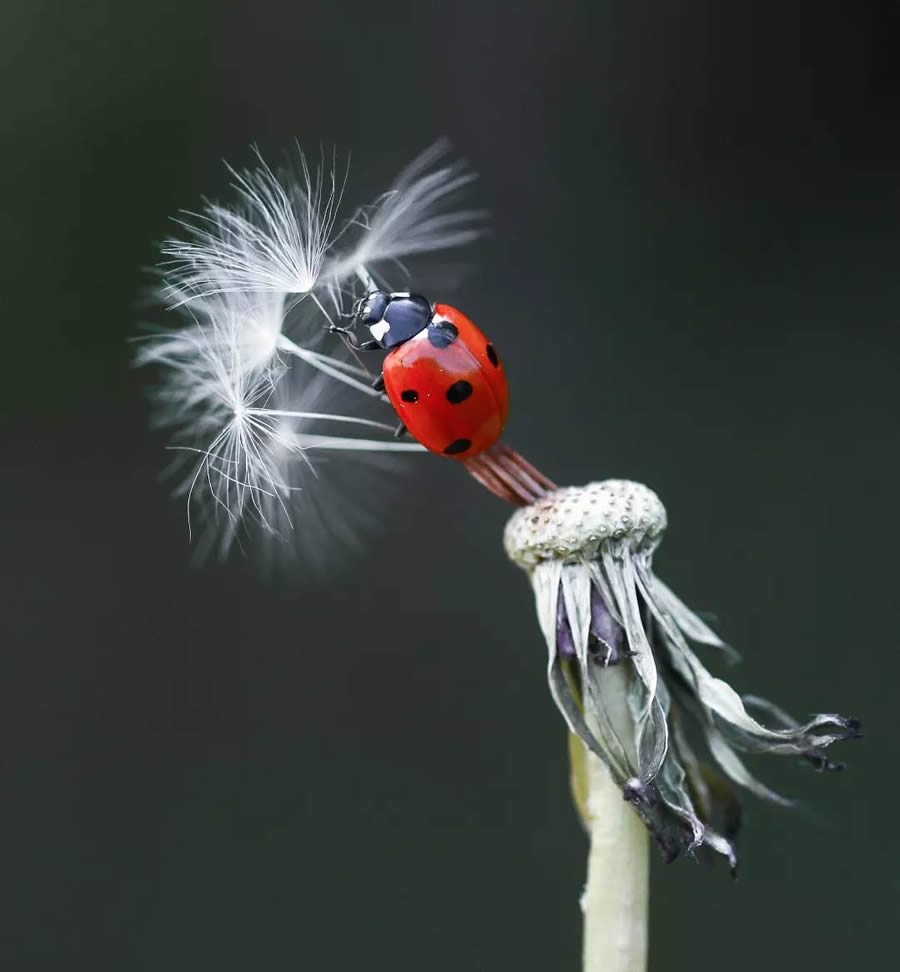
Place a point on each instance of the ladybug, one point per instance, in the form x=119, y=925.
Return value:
x=441, y=374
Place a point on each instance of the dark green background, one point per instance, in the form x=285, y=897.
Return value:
x=693, y=279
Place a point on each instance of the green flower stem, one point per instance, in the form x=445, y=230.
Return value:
x=617, y=891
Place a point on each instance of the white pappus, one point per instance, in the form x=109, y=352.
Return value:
x=243, y=382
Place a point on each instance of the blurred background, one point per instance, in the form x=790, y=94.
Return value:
x=692, y=279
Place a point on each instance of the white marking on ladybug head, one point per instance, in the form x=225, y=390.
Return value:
x=379, y=330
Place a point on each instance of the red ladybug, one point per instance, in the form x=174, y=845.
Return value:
x=441, y=374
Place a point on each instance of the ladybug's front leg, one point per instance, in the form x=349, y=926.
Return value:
x=353, y=340
x=378, y=384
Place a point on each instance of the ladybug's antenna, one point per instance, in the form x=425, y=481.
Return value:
x=345, y=332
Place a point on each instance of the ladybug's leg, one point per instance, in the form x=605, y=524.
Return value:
x=378, y=384
x=353, y=340
x=400, y=431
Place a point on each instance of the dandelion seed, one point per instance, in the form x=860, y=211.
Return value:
x=244, y=427
x=413, y=217
x=282, y=234
x=257, y=286
x=274, y=240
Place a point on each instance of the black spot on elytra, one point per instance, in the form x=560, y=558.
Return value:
x=410, y=395
x=492, y=356
x=442, y=333
x=457, y=446
x=458, y=392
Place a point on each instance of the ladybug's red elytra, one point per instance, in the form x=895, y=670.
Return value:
x=441, y=374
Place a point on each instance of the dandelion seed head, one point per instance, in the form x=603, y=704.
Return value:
x=574, y=521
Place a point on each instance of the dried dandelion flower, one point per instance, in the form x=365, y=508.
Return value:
x=622, y=671
x=633, y=692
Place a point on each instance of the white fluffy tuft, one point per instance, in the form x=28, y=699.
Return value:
x=282, y=236
x=255, y=285
x=414, y=216
x=273, y=240
x=246, y=431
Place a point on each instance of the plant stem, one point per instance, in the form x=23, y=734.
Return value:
x=616, y=896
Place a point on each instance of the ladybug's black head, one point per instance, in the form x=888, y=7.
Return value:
x=370, y=309
x=392, y=319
